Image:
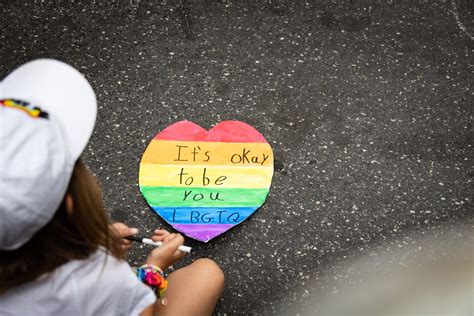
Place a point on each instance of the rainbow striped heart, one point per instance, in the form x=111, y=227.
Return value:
x=205, y=182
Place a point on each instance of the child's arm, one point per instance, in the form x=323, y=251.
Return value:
x=149, y=311
x=163, y=257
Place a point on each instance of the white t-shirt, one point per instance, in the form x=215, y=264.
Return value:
x=81, y=287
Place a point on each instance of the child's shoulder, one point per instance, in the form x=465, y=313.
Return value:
x=100, y=284
x=103, y=279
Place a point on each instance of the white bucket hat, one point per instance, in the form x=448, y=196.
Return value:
x=47, y=115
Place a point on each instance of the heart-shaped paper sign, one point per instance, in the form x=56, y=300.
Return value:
x=205, y=182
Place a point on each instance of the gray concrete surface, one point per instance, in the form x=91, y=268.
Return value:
x=367, y=105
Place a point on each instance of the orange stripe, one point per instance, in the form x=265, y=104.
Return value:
x=208, y=153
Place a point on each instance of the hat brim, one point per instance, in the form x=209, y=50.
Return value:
x=60, y=90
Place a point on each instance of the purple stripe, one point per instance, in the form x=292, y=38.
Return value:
x=202, y=232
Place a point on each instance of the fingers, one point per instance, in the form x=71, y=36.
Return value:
x=169, y=237
x=176, y=240
x=173, y=241
x=160, y=234
x=123, y=230
x=126, y=244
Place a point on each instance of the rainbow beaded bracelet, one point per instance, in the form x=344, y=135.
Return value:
x=154, y=277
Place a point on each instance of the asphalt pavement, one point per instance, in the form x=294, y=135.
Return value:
x=367, y=105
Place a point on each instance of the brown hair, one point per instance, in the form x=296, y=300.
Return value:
x=68, y=236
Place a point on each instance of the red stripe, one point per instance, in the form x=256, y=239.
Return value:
x=227, y=132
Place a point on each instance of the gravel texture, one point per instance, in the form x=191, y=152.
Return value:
x=367, y=106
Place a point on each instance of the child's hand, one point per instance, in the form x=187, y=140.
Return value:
x=122, y=230
x=167, y=254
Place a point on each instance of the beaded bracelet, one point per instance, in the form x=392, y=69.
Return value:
x=154, y=277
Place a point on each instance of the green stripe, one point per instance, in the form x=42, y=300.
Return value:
x=175, y=196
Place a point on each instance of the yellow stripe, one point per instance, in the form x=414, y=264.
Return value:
x=208, y=153
x=169, y=176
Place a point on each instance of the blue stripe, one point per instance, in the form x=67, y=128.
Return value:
x=204, y=215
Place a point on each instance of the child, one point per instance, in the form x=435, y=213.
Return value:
x=58, y=254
